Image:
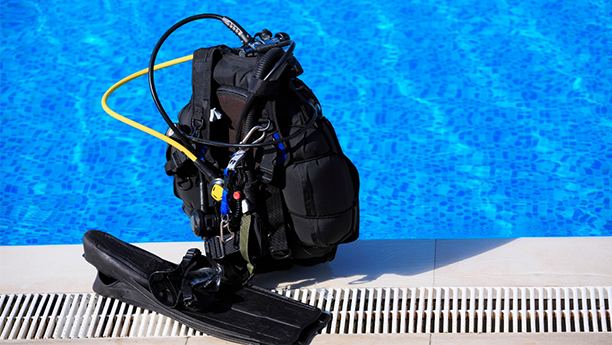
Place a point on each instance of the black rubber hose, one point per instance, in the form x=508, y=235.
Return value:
x=267, y=62
x=264, y=66
x=158, y=104
x=244, y=38
x=231, y=24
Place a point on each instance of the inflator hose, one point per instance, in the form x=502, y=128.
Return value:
x=245, y=38
x=158, y=104
x=232, y=25
x=264, y=66
x=185, y=145
x=267, y=62
x=261, y=70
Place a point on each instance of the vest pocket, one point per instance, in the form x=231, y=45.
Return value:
x=321, y=200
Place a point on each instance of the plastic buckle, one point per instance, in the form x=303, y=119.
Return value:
x=189, y=256
x=215, y=248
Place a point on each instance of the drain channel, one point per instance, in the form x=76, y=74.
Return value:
x=354, y=311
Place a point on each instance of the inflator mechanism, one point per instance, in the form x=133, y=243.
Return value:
x=266, y=43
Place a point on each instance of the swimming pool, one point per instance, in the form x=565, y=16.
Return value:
x=466, y=119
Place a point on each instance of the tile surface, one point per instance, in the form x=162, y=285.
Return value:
x=364, y=263
x=577, y=261
x=43, y=269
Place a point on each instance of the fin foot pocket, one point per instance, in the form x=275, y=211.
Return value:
x=106, y=280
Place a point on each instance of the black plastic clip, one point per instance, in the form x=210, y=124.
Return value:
x=215, y=248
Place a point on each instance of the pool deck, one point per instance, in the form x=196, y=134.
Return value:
x=521, y=262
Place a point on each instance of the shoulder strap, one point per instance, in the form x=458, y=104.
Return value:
x=201, y=79
x=279, y=249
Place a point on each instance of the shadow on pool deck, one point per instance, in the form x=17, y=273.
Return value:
x=364, y=263
x=576, y=261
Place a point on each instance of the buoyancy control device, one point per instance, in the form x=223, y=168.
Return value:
x=269, y=185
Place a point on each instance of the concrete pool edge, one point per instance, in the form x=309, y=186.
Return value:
x=556, y=261
x=576, y=261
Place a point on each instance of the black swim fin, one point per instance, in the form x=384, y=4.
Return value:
x=190, y=293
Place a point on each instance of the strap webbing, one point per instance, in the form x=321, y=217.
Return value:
x=201, y=79
x=217, y=249
x=278, y=237
x=186, y=265
x=245, y=228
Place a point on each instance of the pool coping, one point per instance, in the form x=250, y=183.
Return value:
x=518, y=262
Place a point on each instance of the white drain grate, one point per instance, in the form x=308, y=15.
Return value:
x=354, y=311
x=463, y=310
x=66, y=316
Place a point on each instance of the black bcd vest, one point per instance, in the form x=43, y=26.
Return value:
x=288, y=202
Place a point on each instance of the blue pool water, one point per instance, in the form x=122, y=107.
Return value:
x=465, y=118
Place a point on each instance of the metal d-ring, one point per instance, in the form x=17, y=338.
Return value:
x=252, y=131
x=225, y=224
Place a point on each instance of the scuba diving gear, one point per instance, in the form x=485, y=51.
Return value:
x=260, y=171
x=298, y=193
x=192, y=294
x=281, y=39
x=261, y=127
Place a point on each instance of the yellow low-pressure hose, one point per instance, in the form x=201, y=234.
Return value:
x=136, y=124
